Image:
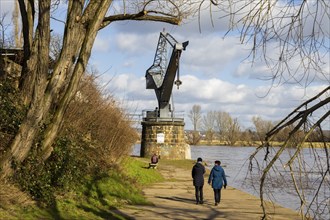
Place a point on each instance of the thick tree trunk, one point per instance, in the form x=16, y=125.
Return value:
x=28, y=74
x=45, y=93
x=79, y=37
x=79, y=70
x=23, y=140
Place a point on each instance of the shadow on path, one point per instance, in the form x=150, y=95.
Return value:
x=179, y=199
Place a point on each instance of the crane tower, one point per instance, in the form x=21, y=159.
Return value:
x=162, y=133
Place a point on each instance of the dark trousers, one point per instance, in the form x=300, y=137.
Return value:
x=217, y=195
x=199, y=193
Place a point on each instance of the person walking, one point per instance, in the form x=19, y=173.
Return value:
x=197, y=173
x=218, y=179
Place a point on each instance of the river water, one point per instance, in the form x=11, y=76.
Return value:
x=279, y=187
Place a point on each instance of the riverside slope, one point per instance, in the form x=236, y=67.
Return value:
x=174, y=199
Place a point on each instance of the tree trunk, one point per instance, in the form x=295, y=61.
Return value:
x=28, y=74
x=45, y=93
x=79, y=70
x=23, y=140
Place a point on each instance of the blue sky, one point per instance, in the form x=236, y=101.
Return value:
x=214, y=70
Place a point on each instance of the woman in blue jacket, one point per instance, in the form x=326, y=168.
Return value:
x=218, y=179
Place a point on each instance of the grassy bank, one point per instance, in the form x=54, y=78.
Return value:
x=96, y=198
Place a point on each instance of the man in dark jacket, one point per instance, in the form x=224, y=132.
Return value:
x=197, y=174
x=218, y=179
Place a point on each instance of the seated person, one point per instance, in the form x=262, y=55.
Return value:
x=154, y=159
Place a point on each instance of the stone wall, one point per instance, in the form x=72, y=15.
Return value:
x=165, y=138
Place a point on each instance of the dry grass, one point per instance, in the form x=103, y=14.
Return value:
x=12, y=195
x=98, y=118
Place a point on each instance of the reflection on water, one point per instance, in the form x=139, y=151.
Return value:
x=279, y=186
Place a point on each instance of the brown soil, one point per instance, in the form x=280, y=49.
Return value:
x=174, y=199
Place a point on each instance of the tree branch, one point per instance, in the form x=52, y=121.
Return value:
x=143, y=16
x=300, y=114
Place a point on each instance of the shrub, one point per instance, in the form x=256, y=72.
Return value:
x=11, y=113
x=95, y=135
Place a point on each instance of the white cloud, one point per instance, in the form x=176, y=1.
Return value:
x=212, y=54
x=135, y=43
x=101, y=44
x=210, y=90
x=241, y=101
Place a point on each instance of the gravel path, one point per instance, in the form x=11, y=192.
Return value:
x=174, y=199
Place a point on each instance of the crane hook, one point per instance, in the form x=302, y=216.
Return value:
x=178, y=82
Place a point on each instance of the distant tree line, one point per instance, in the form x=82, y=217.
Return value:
x=219, y=127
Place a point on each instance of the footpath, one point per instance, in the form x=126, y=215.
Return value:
x=174, y=199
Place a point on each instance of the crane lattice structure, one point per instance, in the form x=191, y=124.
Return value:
x=161, y=75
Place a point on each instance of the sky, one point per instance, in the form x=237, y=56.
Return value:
x=215, y=70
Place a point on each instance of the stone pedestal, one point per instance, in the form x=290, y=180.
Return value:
x=165, y=138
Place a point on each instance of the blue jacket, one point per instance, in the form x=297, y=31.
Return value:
x=197, y=174
x=217, y=177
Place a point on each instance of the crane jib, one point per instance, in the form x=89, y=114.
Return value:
x=161, y=75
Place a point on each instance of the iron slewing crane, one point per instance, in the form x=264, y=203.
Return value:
x=161, y=75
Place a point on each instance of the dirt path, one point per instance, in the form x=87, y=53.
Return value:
x=174, y=199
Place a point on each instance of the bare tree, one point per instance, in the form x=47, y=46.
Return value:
x=234, y=131
x=195, y=116
x=48, y=94
x=222, y=124
x=5, y=40
x=247, y=136
x=262, y=127
x=208, y=121
x=228, y=128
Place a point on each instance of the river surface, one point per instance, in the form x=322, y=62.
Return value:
x=279, y=186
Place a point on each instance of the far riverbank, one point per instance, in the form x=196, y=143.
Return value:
x=218, y=143
x=254, y=144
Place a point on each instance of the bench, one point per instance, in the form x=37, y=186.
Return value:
x=153, y=165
